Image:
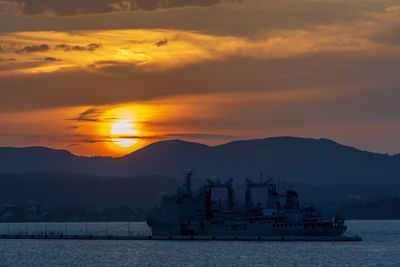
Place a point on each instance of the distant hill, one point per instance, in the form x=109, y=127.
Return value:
x=313, y=161
x=71, y=189
x=377, y=210
x=53, y=189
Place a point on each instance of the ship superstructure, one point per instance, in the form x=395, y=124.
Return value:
x=196, y=213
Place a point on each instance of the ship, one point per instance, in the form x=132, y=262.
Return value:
x=197, y=213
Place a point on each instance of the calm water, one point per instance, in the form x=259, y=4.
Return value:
x=380, y=247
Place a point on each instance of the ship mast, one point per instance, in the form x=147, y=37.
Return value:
x=188, y=181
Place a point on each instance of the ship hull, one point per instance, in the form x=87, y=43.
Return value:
x=249, y=229
x=254, y=238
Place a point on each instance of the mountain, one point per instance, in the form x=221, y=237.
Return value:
x=313, y=161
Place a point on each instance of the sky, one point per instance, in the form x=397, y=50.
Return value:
x=107, y=77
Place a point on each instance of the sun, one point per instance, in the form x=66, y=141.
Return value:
x=123, y=133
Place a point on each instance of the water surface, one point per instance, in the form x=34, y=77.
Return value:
x=380, y=247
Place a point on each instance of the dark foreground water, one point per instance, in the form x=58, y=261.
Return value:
x=380, y=247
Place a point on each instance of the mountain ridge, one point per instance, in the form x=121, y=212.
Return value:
x=189, y=142
x=315, y=161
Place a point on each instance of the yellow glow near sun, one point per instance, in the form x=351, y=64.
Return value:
x=126, y=127
x=121, y=131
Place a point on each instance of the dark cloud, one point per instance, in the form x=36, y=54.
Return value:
x=14, y=64
x=73, y=127
x=92, y=47
x=51, y=59
x=79, y=48
x=178, y=135
x=161, y=43
x=72, y=145
x=79, y=7
x=93, y=141
x=388, y=35
x=200, y=136
x=63, y=46
x=7, y=59
x=107, y=62
x=33, y=48
x=89, y=47
x=89, y=115
x=246, y=20
x=146, y=137
x=113, y=67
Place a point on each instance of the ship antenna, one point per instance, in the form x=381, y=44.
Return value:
x=284, y=179
x=188, y=182
x=277, y=183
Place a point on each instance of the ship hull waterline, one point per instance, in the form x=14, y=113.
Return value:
x=187, y=238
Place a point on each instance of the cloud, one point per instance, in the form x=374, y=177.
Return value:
x=93, y=141
x=81, y=7
x=110, y=67
x=71, y=145
x=143, y=137
x=200, y=136
x=51, y=59
x=89, y=115
x=64, y=47
x=33, y=48
x=7, y=59
x=82, y=87
x=8, y=7
x=92, y=47
x=89, y=47
x=196, y=136
x=161, y=43
x=231, y=17
x=78, y=48
x=136, y=49
x=192, y=136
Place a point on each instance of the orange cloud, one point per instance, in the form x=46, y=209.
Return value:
x=102, y=50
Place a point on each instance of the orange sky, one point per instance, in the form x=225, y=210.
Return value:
x=110, y=76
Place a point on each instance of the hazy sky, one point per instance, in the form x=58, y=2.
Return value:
x=105, y=77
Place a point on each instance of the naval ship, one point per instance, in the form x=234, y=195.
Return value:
x=197, y=213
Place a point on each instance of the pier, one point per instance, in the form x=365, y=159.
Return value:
x=185, y=237
x=131, y=231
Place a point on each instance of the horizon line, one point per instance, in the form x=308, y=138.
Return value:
x=186, y=141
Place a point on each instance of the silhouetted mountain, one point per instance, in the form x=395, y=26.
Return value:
x=314, y=161
x=71, y=189
x=329, y=197
x=377, y=210
x=53, y=189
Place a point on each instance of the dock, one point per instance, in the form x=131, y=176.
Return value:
x=185, y=237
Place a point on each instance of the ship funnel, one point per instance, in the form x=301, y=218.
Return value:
x=273, y=201
x=292, y=200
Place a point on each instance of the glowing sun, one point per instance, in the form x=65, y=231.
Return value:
x=123, y=132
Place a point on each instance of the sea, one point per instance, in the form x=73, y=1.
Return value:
x=380, y=247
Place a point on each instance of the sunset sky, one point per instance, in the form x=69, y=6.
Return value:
x=106, y=77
